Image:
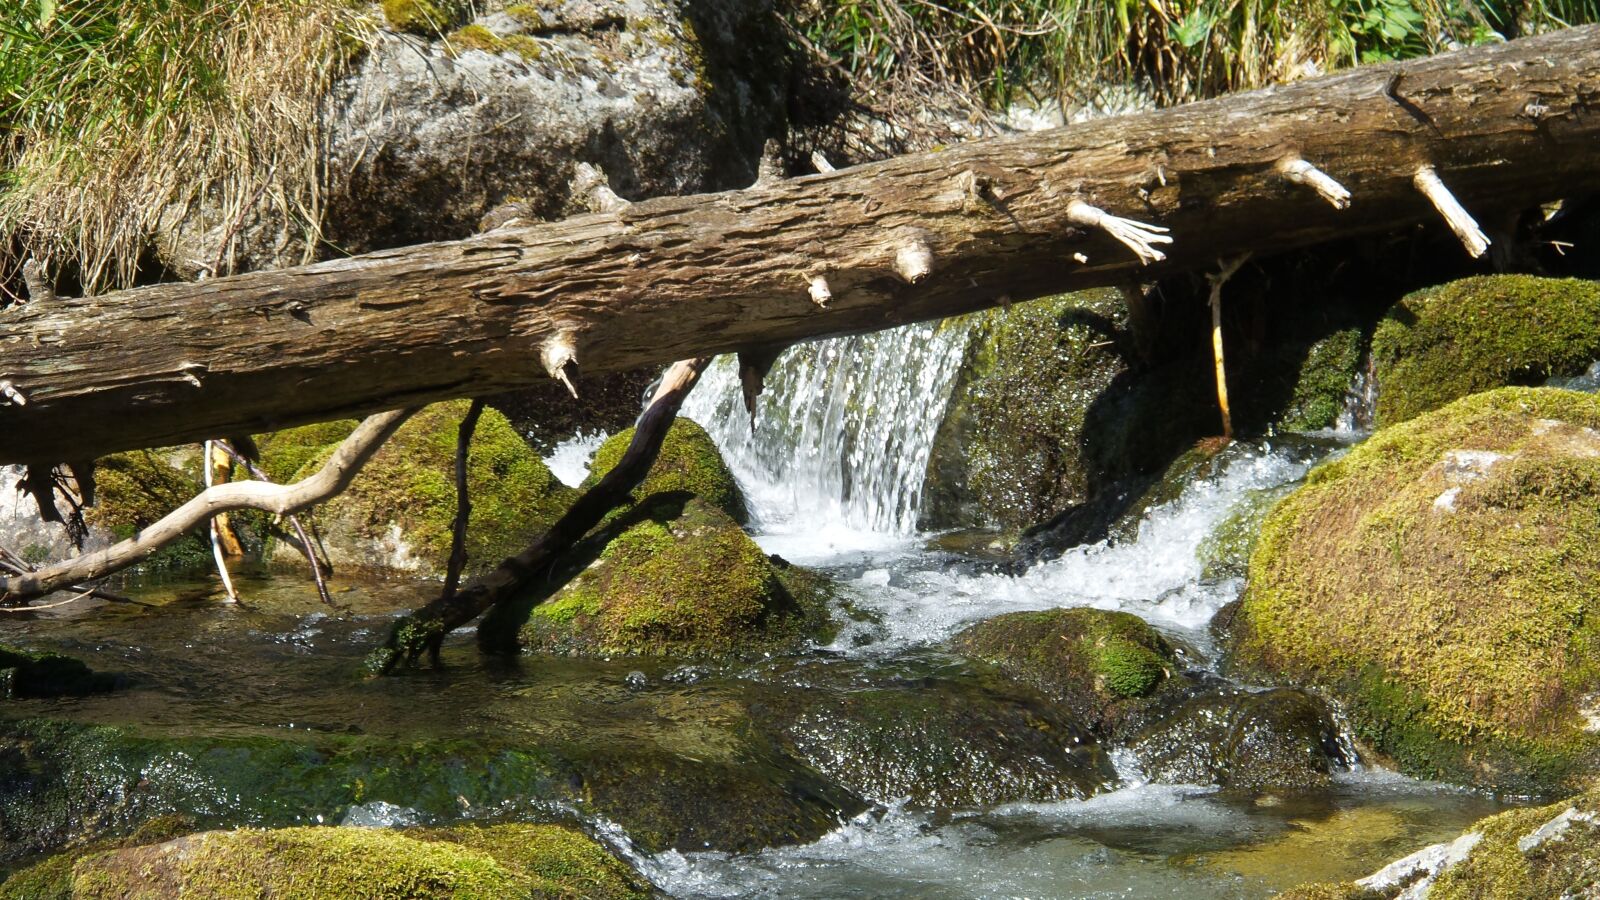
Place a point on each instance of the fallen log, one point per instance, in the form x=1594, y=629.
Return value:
x=1479, y=131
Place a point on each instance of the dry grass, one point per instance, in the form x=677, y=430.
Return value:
x=118, y=114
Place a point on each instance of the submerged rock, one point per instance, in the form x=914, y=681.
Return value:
x=1439, y=581
x=1275, y=740
x=397, y=516
x=26, y=673
x=679, y=577
x=529, y=861
x=1443, y=343
x=1105, y=668
x=1550, y=851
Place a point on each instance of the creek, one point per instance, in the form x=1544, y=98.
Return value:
x=249, y=714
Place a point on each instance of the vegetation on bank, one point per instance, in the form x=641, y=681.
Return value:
x=1005, y=50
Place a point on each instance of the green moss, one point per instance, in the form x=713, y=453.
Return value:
x=410, y=485
x=135, y=489
x=689, y=462
x=1101, y=665
x=474, y=37
x=529, y=16
x=1324, y=377
x=47, y=880
x=1472, y=335
x=524, y=46
x=1225, y=552
x=428, y=18
x=1011, y=448
x=285, y=453
x=24, y=673
x=1448, y=602
x=496, y=862
x=680, y=578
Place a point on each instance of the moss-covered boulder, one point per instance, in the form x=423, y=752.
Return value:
x=689, y=463
x=26, y=673
x=1276, y=740
x=1443, y=343
x=398, y=513
x=427, y=18
x=1441, y=581
x=530, y=861
x=1104, y=667
x=1548, y=851
x=679, y=578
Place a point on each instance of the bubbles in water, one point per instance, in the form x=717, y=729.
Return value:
x=379, y=814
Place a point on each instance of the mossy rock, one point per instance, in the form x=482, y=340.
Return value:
x=1322, y=380
x=398, y=513
x=426, y=18
x=1440, y=581
x=137, y=488
x=680, y=578
x=528, y=861
x=285, y=453
x=689, y=462
x=1446, y=342
x=1225, y=552
x=1276, y=740
x=25, y=673
x=942, y=742
x=1104, y=667
x=1534, y=853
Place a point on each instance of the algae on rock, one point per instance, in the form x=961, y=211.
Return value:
x=1103, y=667
x=1440, y=581
x=1445, y=342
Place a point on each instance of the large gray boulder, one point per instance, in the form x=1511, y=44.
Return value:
x=430, y=131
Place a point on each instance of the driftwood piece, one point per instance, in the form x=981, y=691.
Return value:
x=534, y=569
x=279, y=499
x=913, y=238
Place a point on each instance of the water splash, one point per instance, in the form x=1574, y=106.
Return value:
x=570, y=459
x=843, y=431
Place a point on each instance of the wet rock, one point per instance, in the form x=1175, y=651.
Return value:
x=27, y=673
x=1276, y=740
x=941, y=743
x=496, y=861
x=678, y=577
x=398, y=514
x=1105, y=668
x=444, y=117
x=1443, y=343
x=1550, y=851
x=1437, y=581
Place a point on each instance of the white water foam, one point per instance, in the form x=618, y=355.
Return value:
x=1156, y=576
x=570, y=459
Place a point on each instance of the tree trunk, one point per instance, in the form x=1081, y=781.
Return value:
x=855, y=250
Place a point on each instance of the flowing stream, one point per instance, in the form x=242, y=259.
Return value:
x=249, y=715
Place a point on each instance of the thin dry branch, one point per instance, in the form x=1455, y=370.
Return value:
x=423, y=631
x=279, y=499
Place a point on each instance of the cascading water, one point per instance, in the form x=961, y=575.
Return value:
x=842, y=432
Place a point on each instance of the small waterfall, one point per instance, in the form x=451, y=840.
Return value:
x=843, y=430
x=1360, y=404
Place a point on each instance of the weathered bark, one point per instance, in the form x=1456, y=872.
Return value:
x=903, y=240
x=537, y=568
